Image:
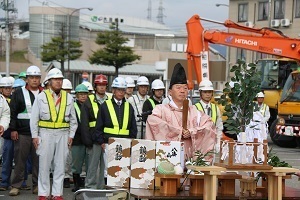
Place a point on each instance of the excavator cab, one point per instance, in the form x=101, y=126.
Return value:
x=291, y=90
x=274, y=72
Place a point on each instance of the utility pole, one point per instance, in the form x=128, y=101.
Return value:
x=62, y=47
x=7, y=6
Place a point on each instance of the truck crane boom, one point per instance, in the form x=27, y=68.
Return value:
x=264, y=40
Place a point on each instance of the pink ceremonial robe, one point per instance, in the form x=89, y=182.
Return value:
x=165, y=124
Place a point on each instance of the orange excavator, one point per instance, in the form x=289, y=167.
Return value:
x=275, y=71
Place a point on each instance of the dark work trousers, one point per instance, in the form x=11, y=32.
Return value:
x=24, y=147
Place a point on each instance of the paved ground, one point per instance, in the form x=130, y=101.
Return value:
x=292, y=156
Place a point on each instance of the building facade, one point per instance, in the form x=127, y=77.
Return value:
x=282, y=15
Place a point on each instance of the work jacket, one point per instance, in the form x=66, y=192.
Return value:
x=89, y=110
x=5, y=116
x=42, y=116
x=149, y=106
x=105, y=125
x=18, y=106
x=77, y=138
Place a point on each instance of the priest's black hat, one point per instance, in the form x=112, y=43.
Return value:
x=178, y=75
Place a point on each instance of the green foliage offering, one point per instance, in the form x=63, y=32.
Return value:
x=274, y=161
x=239, y=107
x=199, y=158
x=58, y=50
x=113, y=51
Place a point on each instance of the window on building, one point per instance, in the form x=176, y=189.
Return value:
x=263, y=10
x=241, y=54
x=297, y=8
x=243, y=12
x=279, y=7
x=261, y=55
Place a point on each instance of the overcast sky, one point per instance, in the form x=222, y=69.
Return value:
x=176, y=12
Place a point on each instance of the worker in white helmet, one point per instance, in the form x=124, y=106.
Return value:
x=53, y=125
x=4, y=115
x=158, y=90
x=21, y=110
x=206, y=90
x=137, y=101
x=67, y=86
x=6, y=88
x=130, y=87
x=6, y=143
x=261, y=107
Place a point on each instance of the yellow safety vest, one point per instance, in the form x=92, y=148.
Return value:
x=263, y=108
x=213, y=114
x=56, y=120
x=116, y=127
x=152, y=102
x=77, y=109
x=95, y=110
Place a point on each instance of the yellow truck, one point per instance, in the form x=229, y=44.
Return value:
x=284, y=131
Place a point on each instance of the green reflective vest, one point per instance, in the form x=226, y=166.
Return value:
x=116, y=127
x=57, y=120
x=213, y=113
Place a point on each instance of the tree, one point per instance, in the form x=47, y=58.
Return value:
x=114, y=53
x=239, y=107
x=57, y=50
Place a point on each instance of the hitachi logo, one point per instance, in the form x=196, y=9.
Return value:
x=247, y=42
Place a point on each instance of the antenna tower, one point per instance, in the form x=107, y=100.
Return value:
x=149, y=9
x=160, y=15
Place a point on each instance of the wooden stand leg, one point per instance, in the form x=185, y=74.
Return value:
x=210, y=189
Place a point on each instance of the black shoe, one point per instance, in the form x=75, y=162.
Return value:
x=77, y=181
x=67, y=183
x=82, y=182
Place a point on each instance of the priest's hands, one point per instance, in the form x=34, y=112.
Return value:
x=186, y=133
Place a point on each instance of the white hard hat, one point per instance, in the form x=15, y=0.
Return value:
x=130, y=82
x=5, y=82
x=54, y=73
x=67, y=85
x=142, y=80
x=206, y=85
x=260, y=94
x=33, y=71
x=119, y=82
x=88, y=85
x=11, y=79
x=157, y=84
x=45, y=81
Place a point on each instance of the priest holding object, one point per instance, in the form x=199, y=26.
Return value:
x=166, y=122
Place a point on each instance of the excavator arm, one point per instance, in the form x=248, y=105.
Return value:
x=264, y=40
